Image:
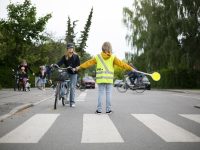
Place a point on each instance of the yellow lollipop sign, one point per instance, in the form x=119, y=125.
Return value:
x=155, y=75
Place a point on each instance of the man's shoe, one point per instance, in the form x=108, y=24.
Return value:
x=109, y=112
x=98, y=112
x=73, y=105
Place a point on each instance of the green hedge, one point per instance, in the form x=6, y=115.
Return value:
x=185, y=79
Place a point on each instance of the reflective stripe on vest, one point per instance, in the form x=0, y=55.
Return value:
x=104, y=69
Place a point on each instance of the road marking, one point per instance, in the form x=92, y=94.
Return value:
x=186, y=96
x=168, y=131
x=44, y=100
x=99, y=129
x=82, y=96
x=193, y=117
x=30, y=131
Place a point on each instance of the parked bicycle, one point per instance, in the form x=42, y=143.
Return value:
x=140, y=84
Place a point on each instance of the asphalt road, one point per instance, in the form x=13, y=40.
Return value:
x=153, y=120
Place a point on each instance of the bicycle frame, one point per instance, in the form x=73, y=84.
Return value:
x=138, y=86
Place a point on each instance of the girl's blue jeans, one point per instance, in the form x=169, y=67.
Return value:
x=72, y=87
x=104, y=87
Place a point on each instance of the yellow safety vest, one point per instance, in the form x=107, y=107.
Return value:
x=104, y=69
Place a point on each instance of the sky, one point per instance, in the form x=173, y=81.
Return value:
x=106, y=24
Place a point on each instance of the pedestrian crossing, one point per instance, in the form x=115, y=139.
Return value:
x=168, y=131
x=82, y=96
x=101, y=129
x=30, y=131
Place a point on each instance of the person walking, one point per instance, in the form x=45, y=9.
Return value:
x=71, y=59
x=105, y=62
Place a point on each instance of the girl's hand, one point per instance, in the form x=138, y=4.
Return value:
x=77, y=68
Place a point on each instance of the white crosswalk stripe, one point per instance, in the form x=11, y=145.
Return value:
x=30, y=131
x=194, y=117
x=99, y=129
x=168, y=131
x=82, y=96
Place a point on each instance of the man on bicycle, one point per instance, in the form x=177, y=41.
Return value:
x=71, y=59
x=132, y=75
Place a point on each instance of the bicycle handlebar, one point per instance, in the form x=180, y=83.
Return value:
x=56, y=66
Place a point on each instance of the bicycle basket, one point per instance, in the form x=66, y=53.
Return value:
x=59, y=75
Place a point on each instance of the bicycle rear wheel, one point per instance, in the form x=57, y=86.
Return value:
x=140, y=88
x=123, y=87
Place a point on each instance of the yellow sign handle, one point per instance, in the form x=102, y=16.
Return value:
x=155, y=75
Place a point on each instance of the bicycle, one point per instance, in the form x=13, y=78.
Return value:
x=62, y=82
x=20, y=83
x=139, y=84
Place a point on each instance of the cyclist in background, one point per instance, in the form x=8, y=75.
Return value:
x=26, y=66
x=132, y=75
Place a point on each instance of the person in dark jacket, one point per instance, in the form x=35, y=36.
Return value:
x=71, y=59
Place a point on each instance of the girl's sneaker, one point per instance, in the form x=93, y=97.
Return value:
x=98, y=112
x=109, y=112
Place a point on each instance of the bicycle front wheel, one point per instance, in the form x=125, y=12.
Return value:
x=122, y=87
x=57, y=93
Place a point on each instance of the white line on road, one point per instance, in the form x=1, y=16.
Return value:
x=186, y=96
x=168, y=131
x=193, y=117
x=82, y=96
x=99, y=129
x=43, y=100
x=30, y=131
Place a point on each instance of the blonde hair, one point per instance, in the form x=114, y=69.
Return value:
x=107, y=47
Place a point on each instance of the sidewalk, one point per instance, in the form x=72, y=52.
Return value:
x=187, y=91
x=15, y=101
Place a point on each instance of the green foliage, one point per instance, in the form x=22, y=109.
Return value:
x=165, y=35
x=166, y=31
x=22, y=37
x=182, y=78
x=71, y=36
x=84, y=35
x=20, y=31
x=119, y=73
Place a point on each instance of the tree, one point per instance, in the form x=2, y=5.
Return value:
x=165, y=35
x=70, y=35
x=166, y=31
x=21, y=30
x=84, y=34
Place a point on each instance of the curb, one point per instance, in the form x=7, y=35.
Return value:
x=197, y=106
x=20, y=108
x=15, y=110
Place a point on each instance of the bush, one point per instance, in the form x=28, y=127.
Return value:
x=186, y=79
